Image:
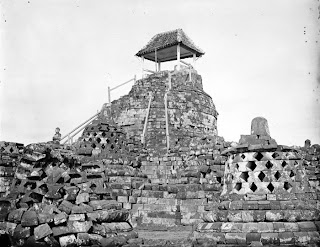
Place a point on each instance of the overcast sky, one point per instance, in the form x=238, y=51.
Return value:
x=58, y=57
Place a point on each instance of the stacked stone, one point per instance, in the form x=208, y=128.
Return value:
x=191, y=112
x=311, y=157
x=266, y=199
x=58, y=199
x=10, y=154
x=181, y=184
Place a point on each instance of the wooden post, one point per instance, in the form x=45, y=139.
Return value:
x=178, y=56
x=142, y=66
x=159, y=66
x=156, y=59
x=109, y=95
x=194, y=60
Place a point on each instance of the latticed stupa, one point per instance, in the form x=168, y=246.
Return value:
x=266, y=197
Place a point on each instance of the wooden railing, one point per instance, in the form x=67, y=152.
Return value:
x=69, y=137
x=111, y=89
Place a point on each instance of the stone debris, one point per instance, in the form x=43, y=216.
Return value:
x=69, y=201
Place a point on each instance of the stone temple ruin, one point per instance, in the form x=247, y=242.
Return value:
x=151, y=170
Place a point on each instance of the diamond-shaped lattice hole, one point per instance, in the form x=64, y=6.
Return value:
x=270, y=187
x=258, y=156
x=236, y=166
x=103, y=146
x=277, y=175
x=253, y=187
x=275, y=155
x=291, y=174
x=93, y=145
x=112, y=146
x=238, y=186
x=287, y=186
x=269, y=164
x=103, y=134
x=244, y=176
x=11, y=150
x=94, y=134
x=251, y=165
x=98, y=140
x=112, y=135
x=243, y=156
x=284, y=164
x=107, y=140
x=261, y=176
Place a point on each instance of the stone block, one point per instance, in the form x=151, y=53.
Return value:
x=253, y=237
x=42, y=231
x=81, y=209
x=259, y=215
x=274, y=215
x=235, y=238
x=314, y=237
x=83, y=239
x=29, y=218
x=270, y=239
x=292, y=215
x=264, y=205
x=302, y=238
x=21, y=232
x=79, y=226
x=77, y=217
x=105, y=204
x=60, y=218
x=82, y=197
x=279, y=227
x=45, y=218
x=306, y=226
x=65, y=206
x=247, y=216
x=67, y=241
x=286, y=238
x=60, y=230
x=234, y=216
x=227, y=226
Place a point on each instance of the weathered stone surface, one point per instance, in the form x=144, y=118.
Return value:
x=60, y=218
x=259, y=126
x=29, y=218
x=42, y=231
x=68, y=240
x=79, y=226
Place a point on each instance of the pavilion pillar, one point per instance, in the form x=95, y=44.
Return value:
x=159, y=66
x=142, y=66
x=194, y=60
x=156, y=59
x=178, y=56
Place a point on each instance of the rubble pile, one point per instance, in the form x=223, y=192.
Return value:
x=10, y=153
x=266, y=199
x=59, y=199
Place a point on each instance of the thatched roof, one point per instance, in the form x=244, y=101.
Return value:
x=165, y=44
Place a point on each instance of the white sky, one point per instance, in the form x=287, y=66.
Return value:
x=58, y=57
